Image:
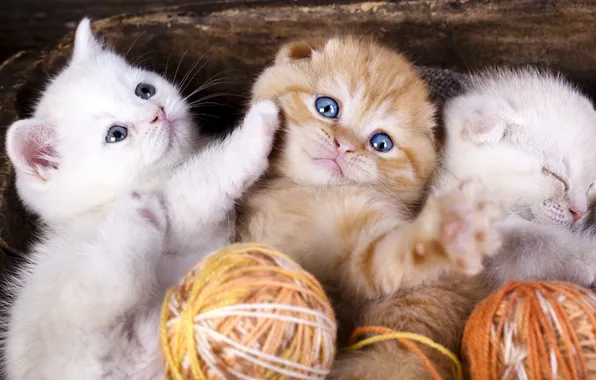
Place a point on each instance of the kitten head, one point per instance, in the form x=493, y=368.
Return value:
x=100, y=127
x=354, y=113
x=531, y=137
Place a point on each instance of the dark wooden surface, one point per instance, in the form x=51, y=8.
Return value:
x=37, y=24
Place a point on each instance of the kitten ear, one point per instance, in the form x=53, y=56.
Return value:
x=297, y=50
x=480, y=120
x=85, y=44
x=30, y=145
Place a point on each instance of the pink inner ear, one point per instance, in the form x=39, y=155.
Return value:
x=35, y=146
x=41, y=156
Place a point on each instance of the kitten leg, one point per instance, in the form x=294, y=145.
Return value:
x=79, y=290
x=455, y=229
x=360, y=241
x=204, y=190
x=437, y=311
x=532, y=251
x=201, y=196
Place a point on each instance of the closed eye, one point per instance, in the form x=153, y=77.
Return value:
x=557, y=177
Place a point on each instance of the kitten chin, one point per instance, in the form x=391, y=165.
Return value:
x=363, y=110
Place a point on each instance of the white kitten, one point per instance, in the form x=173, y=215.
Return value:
x=530, y=137
x=107, y=163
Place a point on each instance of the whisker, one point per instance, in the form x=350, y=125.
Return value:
x=206, y=85
x=165, y=71
x=200, y=68
x=210, y=96
x=133, y=43
x=189, y=72
x=208, y=104
x=143, y=57
x=180, y=61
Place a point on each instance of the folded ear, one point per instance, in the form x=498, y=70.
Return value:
x=85, y=44
x=479, y=119
x=31, y=147
x=302, y=49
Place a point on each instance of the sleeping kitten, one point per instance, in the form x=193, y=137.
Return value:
x=351, y=163
x=107, y=162
x=530, y=137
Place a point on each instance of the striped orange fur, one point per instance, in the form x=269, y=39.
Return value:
x=360, y=232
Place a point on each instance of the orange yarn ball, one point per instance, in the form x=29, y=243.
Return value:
x=247, y=312
x=533, y=330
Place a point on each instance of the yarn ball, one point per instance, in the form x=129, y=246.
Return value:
x=533, y=330
x=247, y=312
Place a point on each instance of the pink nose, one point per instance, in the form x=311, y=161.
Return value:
x=343, y=145
x=160, y=115
x=576, y=213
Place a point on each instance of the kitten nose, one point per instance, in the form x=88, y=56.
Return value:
x=160, y=115
x=576, y=213
x=343, y=145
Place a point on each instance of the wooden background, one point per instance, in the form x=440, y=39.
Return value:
x=37, y=24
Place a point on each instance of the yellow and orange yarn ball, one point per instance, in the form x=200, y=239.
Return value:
x=247, y=312
x=533, y=330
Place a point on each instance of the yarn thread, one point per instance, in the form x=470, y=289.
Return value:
x=247, y=312
x=406, y=339
x=533, y=330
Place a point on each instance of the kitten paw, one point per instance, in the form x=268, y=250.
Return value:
x=466, y=225
x=261, y=123
x=143, y=210
x=257, y=135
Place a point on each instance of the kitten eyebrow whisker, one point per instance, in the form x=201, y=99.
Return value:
x=180, y=61
x=133, y=43
x=139, y=60
x=165, y=71
x=210, y=83
x=200, y=101
x=192, y=69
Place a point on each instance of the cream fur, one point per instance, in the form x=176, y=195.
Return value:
x=530, y=137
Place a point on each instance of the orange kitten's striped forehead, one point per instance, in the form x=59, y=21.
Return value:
x=354, y=113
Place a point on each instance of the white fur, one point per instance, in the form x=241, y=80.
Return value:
x=505, y=130
x=124, y=220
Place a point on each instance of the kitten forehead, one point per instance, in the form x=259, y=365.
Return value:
x=549, y=125
x=537, y=96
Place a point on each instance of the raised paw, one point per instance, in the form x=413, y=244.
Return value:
x=466, y=229
x=261, y=123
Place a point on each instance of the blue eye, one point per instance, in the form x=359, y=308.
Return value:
x=144, y=91
x=116, y=133
x=327, y=107
x=381, y=142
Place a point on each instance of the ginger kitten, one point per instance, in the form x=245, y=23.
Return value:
x=353, y=158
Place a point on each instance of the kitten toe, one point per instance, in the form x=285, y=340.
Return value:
x=145, y=209
x=264, y=117
x=468, y=231
x=257, y=135
x=269, y=114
